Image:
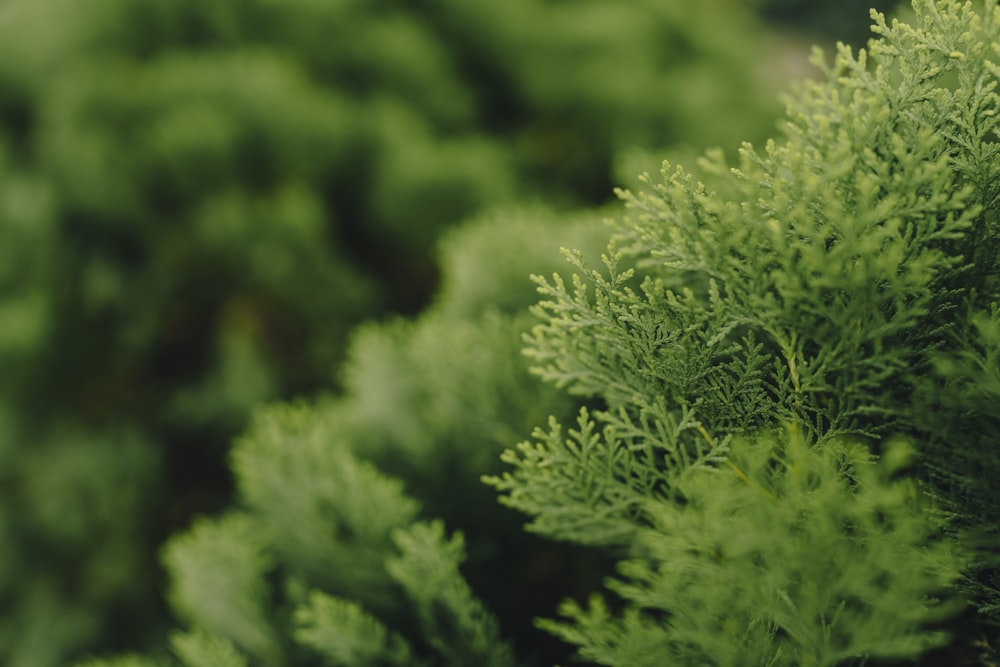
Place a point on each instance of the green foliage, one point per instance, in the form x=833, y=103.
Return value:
x=485, y=262
x=123, y=661
x=307, y=501
x=815, y=285
x=341, y=538
x=960, y=399
x=786, y=555
x=315, y=515
x=435, y=399
x=591, y=487
x=347, y=635
x=454, y=622
x=198, y=649
x=784, y=375
x=336, y=549
x=429, y=375
x=862, y=183
x=70, y=520
x=219, y=583
x=199, y=201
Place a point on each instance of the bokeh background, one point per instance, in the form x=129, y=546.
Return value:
x=200, y=202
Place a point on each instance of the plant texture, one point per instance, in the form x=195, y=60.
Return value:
x=784, y=379
x=199, y=201
x=327, y=557
x=827, y=286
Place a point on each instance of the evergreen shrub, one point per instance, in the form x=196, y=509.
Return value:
x=198, y=201
x=785, y=444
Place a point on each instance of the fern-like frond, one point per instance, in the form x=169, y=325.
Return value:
x=218, y=583
x=348, y=636
x=199, y=649
x=790, y=555
x=454, y=621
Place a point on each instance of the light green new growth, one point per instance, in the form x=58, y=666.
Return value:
x=787, y=388
x=453, y=620
x=591, y=487
x=347, y=635
x=811, y=290
x=327, y=515
x=199, y=649
x=324, y=552
x=121, y=661
x=219, y=583
x=789, y=555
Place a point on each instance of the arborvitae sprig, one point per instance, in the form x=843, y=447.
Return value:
x=592, y=487
x=838, y=249
x=456, y=624
x=343, y=542
x=748, y=358
x=786, y=555
x=219, y=583
x=347, y=635
x=960, y=400
x=305, y=489
x=685, y=348
x=200, y=649
x=810, y=287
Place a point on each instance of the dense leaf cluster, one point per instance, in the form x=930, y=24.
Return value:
x=833, y=284
x=198, y=201
x=785, y=450
x=327, y=556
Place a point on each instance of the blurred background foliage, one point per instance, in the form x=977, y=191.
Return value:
x=199, y=201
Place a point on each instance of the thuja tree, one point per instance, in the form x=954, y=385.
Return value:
x=328, y=556
x=198, y=200
x=785, y=389
x=771, y=346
